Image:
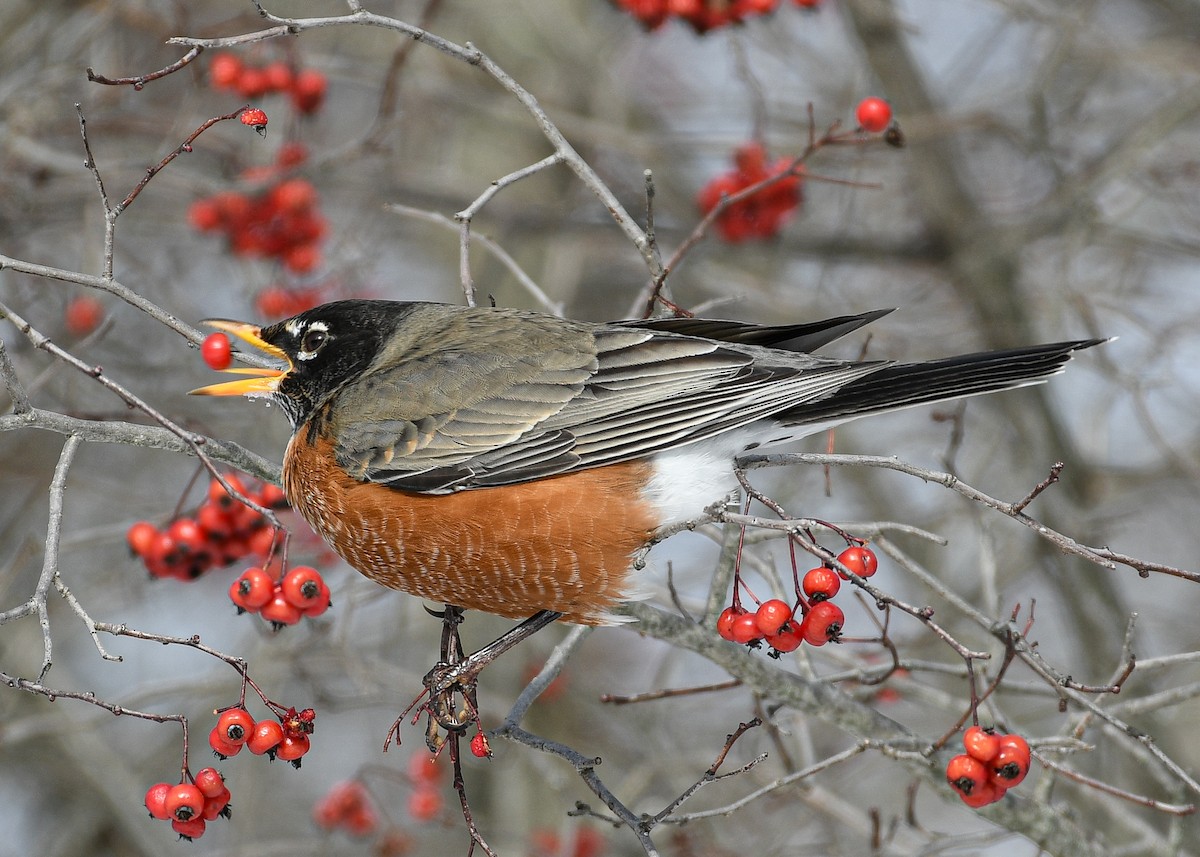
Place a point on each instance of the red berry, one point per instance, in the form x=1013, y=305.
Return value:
x=235, y=725
x=184, y=801
x=808, y=4
x=987, y=793
x=266, y=737
x=156, y=800
x=191, y=829
x=745, y=629
x=480, y=746
x=823, y=623
x=981, y=744
x=292, y=747
x=308, y=90
x=204, y=215
x=424, y=804
x=966, y=775
x=141, y=537
x=253, y=591
x=725, y=621
x=1011, y=762
x=291, y=154
x=821, y=584
x=213, y=522
x=771, y=616
x=271, y=496
x=873, y=114
x=83, y=315
x=251, y=83
x=222, y=746
x=222, y=499
x=862, y=561
x=279, y=611
x=254, y=117
x=224, y=71
x=424, y=769
x=788, y=639
x=216, y=805
x=210, y=782
x=294, y=195
x=278, y=77
x=303, y=587
x=217, y=351
x=302, y=258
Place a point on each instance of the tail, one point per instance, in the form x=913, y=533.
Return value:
x=905, y=385
x=804, y=338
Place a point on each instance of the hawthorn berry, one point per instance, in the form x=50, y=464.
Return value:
x=140, y=537
x=788, y=639
x=981, y=744
x=873, y=114
x=251, y=83
x=966, y=775
x=292, y=747
x=224, y=71
x=210, y=782
x=987, y=793
x=156, y=800
x=745, y=628
x=184, y=801
x=265, y=738
x=725, y=622
x=235, y=725
x=820, y=584
x=424, y=769
x=346, y=805
x=1011, y=763
x=762, y=214
x=304, y=588
x=278, y=77
x=83, y=315
x=221, y=746
x=480, y=746
x=253, y=591
x=217, y=351
x=308, y=90
x=192, y=828
x=861, y=560
x=255, y=117
x=823, y=623
x=425, y=803
x=771, y=616
x=217, y=805
x=279, y=611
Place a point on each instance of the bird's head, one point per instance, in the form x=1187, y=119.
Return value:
x=323, y=348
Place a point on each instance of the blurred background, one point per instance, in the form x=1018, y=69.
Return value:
x=1049, y=189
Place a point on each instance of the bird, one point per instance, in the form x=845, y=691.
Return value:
x=515, y=462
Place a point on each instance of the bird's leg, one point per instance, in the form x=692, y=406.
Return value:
x=456, y=673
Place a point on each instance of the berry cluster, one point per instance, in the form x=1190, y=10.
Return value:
x=815, y=620
x=702, y=15
x=306, y=87
x=425, y=803
x=992, y=765
x=300, y=592
x=762, y=214
x=283, y=738
x=189, y=806
x=279, y=302
x=221, y=532
x=282, y=222
x=348, y=807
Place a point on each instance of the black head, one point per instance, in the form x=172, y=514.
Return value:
x=327, y=347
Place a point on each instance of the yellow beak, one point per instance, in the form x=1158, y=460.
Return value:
x=261, y=381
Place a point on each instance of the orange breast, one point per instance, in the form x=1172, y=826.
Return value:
x=562, y=543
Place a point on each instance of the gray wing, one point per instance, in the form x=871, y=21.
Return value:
x=497, y=413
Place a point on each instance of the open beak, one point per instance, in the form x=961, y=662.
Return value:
x=259, y=381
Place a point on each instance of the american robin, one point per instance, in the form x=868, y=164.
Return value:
x=514, y=462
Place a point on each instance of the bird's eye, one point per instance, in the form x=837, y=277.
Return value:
x=313, y=340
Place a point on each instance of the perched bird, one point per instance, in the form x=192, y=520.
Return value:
x=514, y=462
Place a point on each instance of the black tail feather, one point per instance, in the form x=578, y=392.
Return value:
x=804, y=338
x=904, y=385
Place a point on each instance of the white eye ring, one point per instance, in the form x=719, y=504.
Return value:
x=313, y=340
